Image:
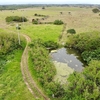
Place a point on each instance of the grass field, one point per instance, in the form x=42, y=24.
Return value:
x=81, y=19
x=44, y=32
x=12, y=86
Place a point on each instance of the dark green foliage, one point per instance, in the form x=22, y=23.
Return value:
x=72, y=31
x=16, y=19
x=55, y=89
x=39, y=15
x=84, y=41
x=86, y=85
x=8, y=43
x=89, y=55
x=95, y=10
x=44, y=69
x=35, y=21
x=51, y=45
x=35, y=14
x=42, y=65
x=87, y=43
x=58, y=22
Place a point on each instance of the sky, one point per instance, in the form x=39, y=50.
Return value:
x=49, y=2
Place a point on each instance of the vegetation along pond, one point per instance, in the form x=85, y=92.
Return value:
x=66, y=60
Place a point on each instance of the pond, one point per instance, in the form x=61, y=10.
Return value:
x=66, y=61
x=69, y=56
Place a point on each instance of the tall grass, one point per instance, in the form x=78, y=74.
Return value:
x=44, y=32
x=12, y=86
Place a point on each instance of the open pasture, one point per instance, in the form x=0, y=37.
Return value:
x=81, y=19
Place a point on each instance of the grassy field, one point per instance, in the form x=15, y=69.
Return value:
x=12, y=86
x=81, y=19
x=44, y=32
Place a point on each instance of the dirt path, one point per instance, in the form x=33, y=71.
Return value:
x=29, y=81
x=63, y=35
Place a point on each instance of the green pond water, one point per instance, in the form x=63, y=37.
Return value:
x=66, y=60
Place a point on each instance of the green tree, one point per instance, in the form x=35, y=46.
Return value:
x=95, y=10
x=72, y=31
x=51, y=45
x=58, y=22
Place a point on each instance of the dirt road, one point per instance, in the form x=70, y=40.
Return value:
x=29, y=81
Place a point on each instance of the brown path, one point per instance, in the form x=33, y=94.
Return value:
x=29, y=81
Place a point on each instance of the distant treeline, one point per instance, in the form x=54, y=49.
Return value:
x=20, y=6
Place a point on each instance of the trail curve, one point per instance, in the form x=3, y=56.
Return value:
x=28, y=79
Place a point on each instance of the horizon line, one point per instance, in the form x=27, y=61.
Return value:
x=48, y=3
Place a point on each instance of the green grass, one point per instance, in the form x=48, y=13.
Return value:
x=44, y=32
x=12, y=86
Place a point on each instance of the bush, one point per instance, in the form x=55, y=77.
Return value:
x=43, y=7
x=51, y=45
x=91, y=55
x=58, y=22
x=72, y=31
x=95, y=10
x=35, y=14
x=43, y=69
x=35, y=21
x=84, y=85
x=16, y=19
x=88, y=41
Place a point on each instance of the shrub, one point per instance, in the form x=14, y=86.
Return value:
x=44, y=69
x=43, y=7
x=51, y=44
x=84, y=85
x=16, y=19
x=95, y=10
x=35, y=21
x=72, y=31
x=58, y=22
x=35, y=14
x=88, y=41
x=91, y=55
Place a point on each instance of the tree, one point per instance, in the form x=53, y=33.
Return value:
x=61, y=13
x=58, y=22
x=72, y=31
x=51, y=45
x=95, y=10
x=43, y=7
